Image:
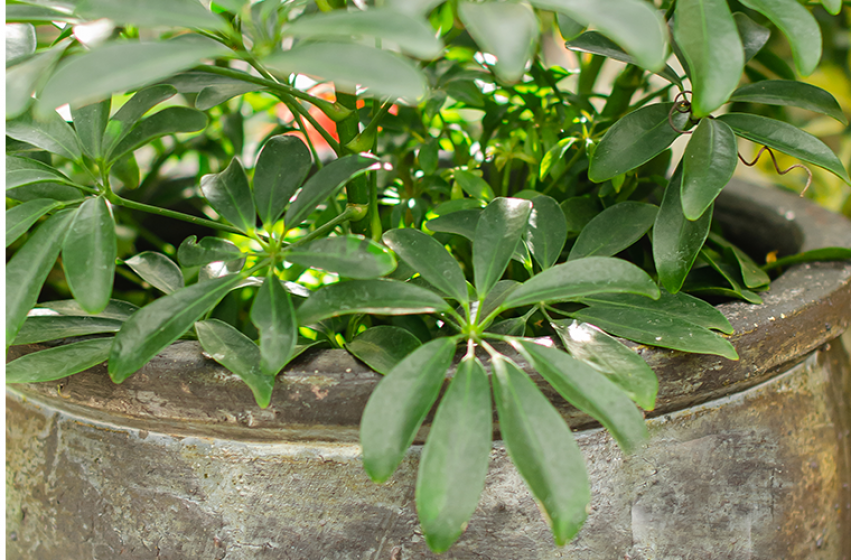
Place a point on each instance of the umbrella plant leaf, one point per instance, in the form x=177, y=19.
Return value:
x=614, y=229
x=157, y=270
x=462, y=222
x=753, y=35
x=50, y=133
x=168, y=121
x=88, y=254
x=126, y=170
x=752, y=275
x=498, y=231
x=115, y=309
x=826, y=254
x=20, y=218
x=123, y=121
x=579, y=210
x=798, y=25
x=547, y=231
x=282, y=166
x=153, y=13
x=53, y=327
x=427, y=256
x=23, y=78
x=274, y=316
x=20, y=42
x=217, y=94
x=793, y=94
x=833, y=7
x=568, y=27
x=229, y=195
x=90, y=124
x=33, y=13
x=206, y=251
x=59, y=362
x=593, y=42
x=352, y=256
x=383, y=347
x=399, y=404
x=708, y=165
x=496, y=297
x=474, y=185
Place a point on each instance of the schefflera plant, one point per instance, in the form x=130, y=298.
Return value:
x=599, y=375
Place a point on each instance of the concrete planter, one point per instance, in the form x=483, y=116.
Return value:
x=747, y=459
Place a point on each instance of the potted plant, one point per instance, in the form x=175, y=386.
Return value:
x=455, y=194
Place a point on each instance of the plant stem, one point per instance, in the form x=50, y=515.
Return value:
x=118, y=201
x=295, y=106
x=357, y=191
x=352, y=211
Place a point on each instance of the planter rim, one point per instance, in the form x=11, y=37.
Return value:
x=321, y=395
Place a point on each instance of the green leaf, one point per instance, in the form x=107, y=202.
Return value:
x=21, y=217
x=28, y=268
x=56, y=363
x=593, y=42
x=826, y=254
x=167, y=121
x=515, y=326
x=799, y=26
x=155, y=326
x=88, y=254
x=53, y=327
x=206, y=251
x=323, y=184
x=634, y=25
x=115, y=309
x=708, y=165
x=427, y=256
x=462, y=222
x=786, y=138
x=153, y=13
x=352, y=256
x=274, y=316
x=568, y=27
x=282, y=166
x=413, y=35
x=24, y=78
x=542, y=448
x=428, y=156
x=614, y=229
x=589, y=391
x=229, y=195
x=49, y=133
x=33, y=13
x=579, y=211
x=235, y=351
x=507, y=30
x=496, y=297
x=90, y=124
x=498, y=231
x=752, y=276
x=547, y=231
x=706, y=33
x=20, y=42
x=657, y=329
x=399, y=405
x=123, y=121
x=676, y=239
x=351, y=64
x=380, y=297
x=120, y=66
x=753, y=35
x=383, y=347
x=583, y=278
x=794, y=94
x=833, y=7
x=634, y=140
x=126, y=170
x=456, y=456
x=157, y=270
x=775, y=63
x=474, y=185
x=214, y=95
x=622, y=366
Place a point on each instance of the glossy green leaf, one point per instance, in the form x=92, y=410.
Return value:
x=589, y=391
x=229, y=195
x=24, y=78
x=798, y=25
x=774, y=63
x=794, y=94
x=115, y=309
x=412, y=35
x=88, y=254
x=496, y=297
x=547, y=231
x=708, y=165
x=119, y=66
x=20, y=218
x=753, y=35
x=23, y=171
x=59, y=362
x=153, y=13
x=474, y=185
x=167, y=121
x=380, y=297
x=90, y=124
x=123, y=121
x=498, y=231
x=786, y=138
x=593, y=42
x=53, y=327
x=413, y=7
x=729, y=269
x=399, y=404
x=381, y=72
x=352, y=256
x=657, y=329
x=28, y=268
x=214, y=95
x=157, y=270
x=579, y=211
x=507, y=30
x=606, y=354
x=456, y=456
x=155, y=326
x=706, y=34
x=383, y=347
x=542, y=448
x=614, y=229
x=676, y=239
x=206, y=251
x=239, y=354
x=34, y=13
x=752, y=275
x=634, y=140
x=274, y=316
x=826, y=254
x=282, y=166
x=833, y=7
x=515, y=326
x=462, y=222
x=20, y=42
x=49, y=133
x=427, y=256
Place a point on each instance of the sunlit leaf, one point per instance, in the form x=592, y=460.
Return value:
x=157, y=270
x=428, y=257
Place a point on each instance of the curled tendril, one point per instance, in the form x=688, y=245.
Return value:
x=681, y=105
x=777, y=167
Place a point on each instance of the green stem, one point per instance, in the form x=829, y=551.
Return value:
x=353, y=211
x=357, y=191
x=296, y=107
x=563, y=172
x=118, y=201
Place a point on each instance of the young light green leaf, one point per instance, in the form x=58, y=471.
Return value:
x=427, y=256
x=753, y=35
x=383, y=347
x=381, y=297
x=708, y=165
x=589, y=391
x=160, y=323
x=115, y=309
x=239, y=354
x=50, y=133
x=622, y=366
x=59, y=362
x=206, y=251
x=593, y=42
x=474, y=185
x=614, y=229
x=167, y=121
x=786, y=138
x=507, y=30
x=153, y=13
x=706, y=33
x=21, y=217
x=88, y=254
x=274, y=316
x=157, y=270
x=353, y=256
x=90, y=124
x=229, y=195
x=833, y=7
x=24, y=78
x=53, y=327
x=634, y=140
x=799, y=26
x=657, y=329
x=795, y=94
x=547, y=231
x=399, y=405
x=282, y=166
x=123, y=121
x=498, y=231
x=542, y=448
x=462, y=222
x=582, y=278
x=455, y=458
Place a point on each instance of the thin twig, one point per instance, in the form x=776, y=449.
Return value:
x=777, y=167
